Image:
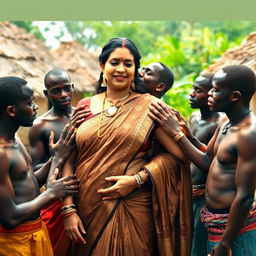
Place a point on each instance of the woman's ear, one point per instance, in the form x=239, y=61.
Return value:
x=11, y=110
x=102, y=66
x=236, y=95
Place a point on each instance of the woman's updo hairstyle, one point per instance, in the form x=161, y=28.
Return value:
x=118, y=42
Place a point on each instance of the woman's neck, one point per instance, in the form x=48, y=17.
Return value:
x=115, y=96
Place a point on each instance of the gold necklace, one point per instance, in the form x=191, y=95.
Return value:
x=99, y=134
x=113, y=109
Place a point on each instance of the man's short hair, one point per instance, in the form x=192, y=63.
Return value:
x=240, y=78
x=166, y=76
x=57, y=72
x=9, y=91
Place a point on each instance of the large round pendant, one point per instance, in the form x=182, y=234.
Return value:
x=111, y=111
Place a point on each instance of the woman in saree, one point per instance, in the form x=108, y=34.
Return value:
x=125, y=205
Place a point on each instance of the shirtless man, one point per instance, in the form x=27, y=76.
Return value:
x=59, y=93
x=59, y=89
x=230, y=159
x=203, y=124
x=20, y=197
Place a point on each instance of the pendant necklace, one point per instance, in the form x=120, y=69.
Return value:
x=229, y=124
x=109, y=112
x=112, y=110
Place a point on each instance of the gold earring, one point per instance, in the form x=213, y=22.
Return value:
x=104, y=81
x=132, y=85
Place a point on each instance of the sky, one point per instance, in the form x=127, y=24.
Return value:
x=50, y=29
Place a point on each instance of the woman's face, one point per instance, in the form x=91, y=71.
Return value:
x=119, y=69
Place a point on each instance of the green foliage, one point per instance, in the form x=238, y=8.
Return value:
x=29, y=27
x=188, y=55
x=177, y=96
x=95, y=34
x=188, y=48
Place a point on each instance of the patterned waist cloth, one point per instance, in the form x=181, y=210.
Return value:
x=217, y=222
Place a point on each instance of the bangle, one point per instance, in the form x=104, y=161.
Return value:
x=67, y=206
x=138, y=180
x=178, y=136
x=203, y=148
x=68, y=213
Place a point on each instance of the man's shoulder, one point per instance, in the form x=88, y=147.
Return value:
x=196, y=115
x=248, y=127
x=3, y=157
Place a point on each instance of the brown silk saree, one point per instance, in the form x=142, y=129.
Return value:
x=115, y=227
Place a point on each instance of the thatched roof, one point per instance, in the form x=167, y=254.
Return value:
x=78, y=62
x=245, y=54
x=23, y=55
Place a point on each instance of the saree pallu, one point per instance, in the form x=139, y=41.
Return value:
x=28, y=239
x=115, y=227
x=216, y=223
x=172, y=204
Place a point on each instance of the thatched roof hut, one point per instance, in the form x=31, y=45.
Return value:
x=245, y=54
x=23, y=55
x=79, y=63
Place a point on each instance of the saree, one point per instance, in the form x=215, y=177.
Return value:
x=115, y=227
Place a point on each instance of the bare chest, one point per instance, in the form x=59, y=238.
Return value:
x=225, y=150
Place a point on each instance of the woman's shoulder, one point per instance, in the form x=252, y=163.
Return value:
x=147, y=97
x=85, y=102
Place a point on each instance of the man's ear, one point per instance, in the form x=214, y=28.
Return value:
x=46, y=93
x=11, y=110
x=161, y=87
x=236, y=95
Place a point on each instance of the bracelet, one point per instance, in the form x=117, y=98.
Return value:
x=203, y=148
x=68, y=213
x=67, y=206
x=178, y=136
x=138, y=180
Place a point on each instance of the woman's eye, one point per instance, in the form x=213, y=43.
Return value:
x=114, y=63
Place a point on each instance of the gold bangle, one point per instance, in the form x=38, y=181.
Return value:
x=178, y=136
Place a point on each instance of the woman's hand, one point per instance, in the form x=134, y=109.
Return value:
x=74, y=228
x=123, y=186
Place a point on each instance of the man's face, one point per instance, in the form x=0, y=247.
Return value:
x=60, y=93
x=149, y=78
x=199, y=94
x=26, y=107
x=219, y=95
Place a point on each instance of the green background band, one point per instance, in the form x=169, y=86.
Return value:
x=127, y=10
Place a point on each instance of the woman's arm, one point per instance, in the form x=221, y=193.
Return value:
x=72, y=223
x=168, y=143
